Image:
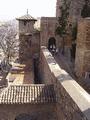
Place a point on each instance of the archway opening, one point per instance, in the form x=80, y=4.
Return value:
x=52, y=44
x=24, y=117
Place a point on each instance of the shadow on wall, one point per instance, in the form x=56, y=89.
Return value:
x=37, y=116
x=44, y=94
x=52, y=44
x=24, y=116
x=87, y=112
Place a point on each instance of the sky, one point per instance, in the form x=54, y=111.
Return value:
x=11, y=9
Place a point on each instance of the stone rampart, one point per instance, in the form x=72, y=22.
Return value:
x=48, y=27
x=73, y=102
x=35, y=111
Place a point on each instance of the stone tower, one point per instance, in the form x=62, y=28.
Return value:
x=28, y=37
x=75, y=9
x=82, y=62
x=58, y=4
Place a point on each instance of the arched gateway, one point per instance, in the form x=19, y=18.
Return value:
x=52, y=43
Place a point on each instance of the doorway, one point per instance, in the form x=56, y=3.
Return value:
x=52, y=44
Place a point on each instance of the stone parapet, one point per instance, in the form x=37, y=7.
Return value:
x=73, y=102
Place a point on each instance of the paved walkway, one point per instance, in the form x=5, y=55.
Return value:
x=21, y=75
x=64, y=64
x=3, y=81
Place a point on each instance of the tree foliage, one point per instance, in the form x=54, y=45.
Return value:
x=8, y=41
x=63, y=19
x=61, y=30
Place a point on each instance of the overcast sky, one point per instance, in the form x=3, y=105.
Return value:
x=10, y=9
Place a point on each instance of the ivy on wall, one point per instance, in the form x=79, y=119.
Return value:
x=61, y=30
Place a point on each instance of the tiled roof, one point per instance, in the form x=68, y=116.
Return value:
x=33, y=94
x=26, y=17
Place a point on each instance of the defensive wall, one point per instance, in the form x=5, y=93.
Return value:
x=82, y=61
x=35, y=111
x=73, y=102
x=48, y=27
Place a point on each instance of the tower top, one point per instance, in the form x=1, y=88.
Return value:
x=26, y=17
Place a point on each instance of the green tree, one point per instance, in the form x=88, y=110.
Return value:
x=63, y=20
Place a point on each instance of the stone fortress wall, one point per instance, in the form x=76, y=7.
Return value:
x=29, y=38
x=26, y=27
x=36, y=111
x=29, y=46
x=75, y=9
x=82, y=62
x=82, y=56
x=72, y=100
x=48, y=26
x=73, y=103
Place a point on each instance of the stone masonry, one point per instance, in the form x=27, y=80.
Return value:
x=48, y=26
x=82, y=63
x=35, y=111
x=29, y=38
x=75, y=9
x=73, y=102
x=59, y=97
